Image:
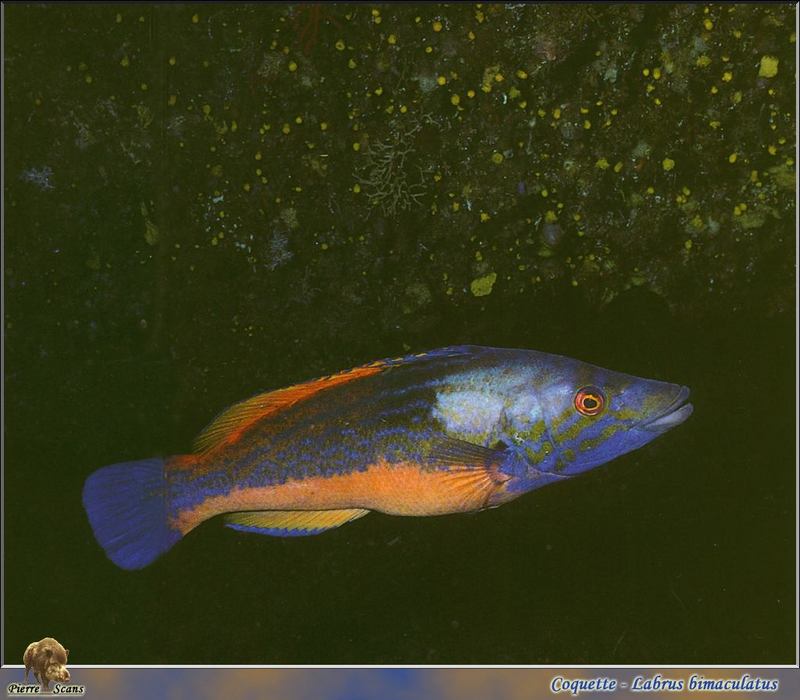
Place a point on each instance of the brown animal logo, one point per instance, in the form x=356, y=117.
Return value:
x=48, y=660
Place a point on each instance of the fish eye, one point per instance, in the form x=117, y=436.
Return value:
x=589, y=401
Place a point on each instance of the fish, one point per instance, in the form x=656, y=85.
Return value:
x=454, y=430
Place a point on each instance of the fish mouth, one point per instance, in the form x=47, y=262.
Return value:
x=674, y=414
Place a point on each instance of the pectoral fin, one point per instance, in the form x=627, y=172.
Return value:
x=449, y=452
x=291, y=523
x=471, y=489
x=468, y=474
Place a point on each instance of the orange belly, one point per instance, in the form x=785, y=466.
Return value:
x=397, y=489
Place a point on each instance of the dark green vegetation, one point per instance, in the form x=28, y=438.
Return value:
x=206, y=201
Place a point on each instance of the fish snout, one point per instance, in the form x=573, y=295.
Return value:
x=676, y=410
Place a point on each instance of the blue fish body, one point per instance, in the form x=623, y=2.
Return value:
x=452, y=430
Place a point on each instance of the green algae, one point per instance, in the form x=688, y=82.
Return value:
x=364, y=143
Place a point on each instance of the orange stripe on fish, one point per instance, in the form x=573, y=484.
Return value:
x=396, y=489
x=232, y=423
x=453, y=430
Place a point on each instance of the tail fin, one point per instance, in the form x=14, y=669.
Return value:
x=127, y=508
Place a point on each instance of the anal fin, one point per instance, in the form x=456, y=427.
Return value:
x=291, y=523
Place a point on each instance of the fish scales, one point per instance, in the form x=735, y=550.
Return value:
x=452, y=430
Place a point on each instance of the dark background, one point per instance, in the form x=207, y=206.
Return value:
x=153, y=277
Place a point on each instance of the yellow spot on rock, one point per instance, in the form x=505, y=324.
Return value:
x=125, y=62
x=550, y=216
x=769, y=67
x=172, y=60
x=339, y=45
x=732, y=158
x=727, y=76
x=485, y=217
x=292, y=66
x=602, y=164
x=703, y=61
x=454, y=100
x=497, y=158
x=668, y=164
x=392, y=39
x=172, y=100
x=521, y=74
x=356, y=146
x=482, y=286
x=150, y=229
x=195, y=19
x=708, y=24
x=441, y=80
x=688, y=244
x=437, y=26
x=356, y=188
x=587, y=124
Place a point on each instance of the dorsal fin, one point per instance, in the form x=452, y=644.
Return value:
x=229, y=425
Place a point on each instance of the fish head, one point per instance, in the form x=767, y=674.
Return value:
x=588, y=416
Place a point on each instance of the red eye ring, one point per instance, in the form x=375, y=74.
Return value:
x=589, y=401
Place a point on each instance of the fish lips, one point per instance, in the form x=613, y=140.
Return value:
x=678, y=410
